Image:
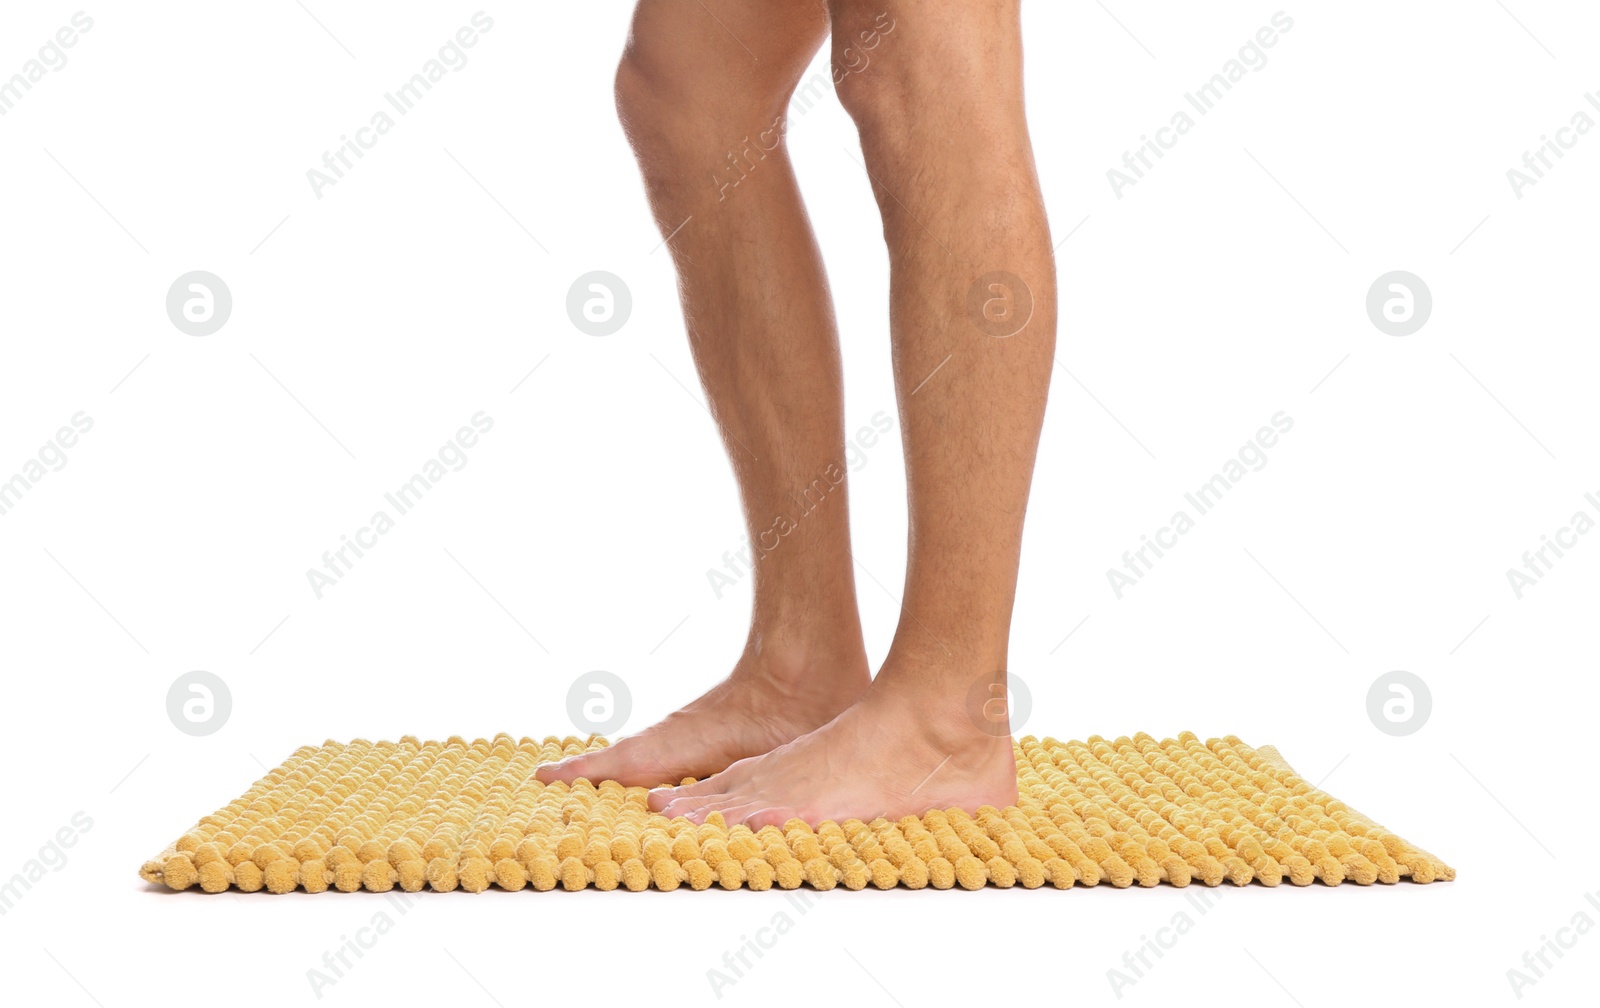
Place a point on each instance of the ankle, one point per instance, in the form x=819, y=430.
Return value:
x=803, y=639
x=800, y=664
x=956, y=714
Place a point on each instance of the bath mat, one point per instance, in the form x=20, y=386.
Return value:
x=467, y=815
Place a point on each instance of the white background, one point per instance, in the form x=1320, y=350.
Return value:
x=369, y=324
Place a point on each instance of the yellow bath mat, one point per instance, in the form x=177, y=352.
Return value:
x=468, y=815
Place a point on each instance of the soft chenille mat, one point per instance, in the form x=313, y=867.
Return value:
x=468, y=815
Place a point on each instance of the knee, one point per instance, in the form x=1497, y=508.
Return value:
x=871, y=81
x=644, y=104
x=675, y=110
x=893, y=73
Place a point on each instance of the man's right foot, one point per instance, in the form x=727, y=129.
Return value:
x=766, y=702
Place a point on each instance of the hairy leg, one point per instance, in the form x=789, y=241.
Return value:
x=972, y=305
x=703, y=92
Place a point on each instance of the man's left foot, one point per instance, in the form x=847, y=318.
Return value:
x=889, y=755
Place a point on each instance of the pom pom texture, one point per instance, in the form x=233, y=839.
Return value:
x=469, y=815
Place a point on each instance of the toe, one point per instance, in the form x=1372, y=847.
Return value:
x=621, y=763
x=661, y=797
x=757, y=818
x=596, y=765
x=703, y=807
x=688, y=807
x=736, y=812
x=559, y=771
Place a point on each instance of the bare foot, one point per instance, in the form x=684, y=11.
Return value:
x=890, y=755
x=765, y=702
